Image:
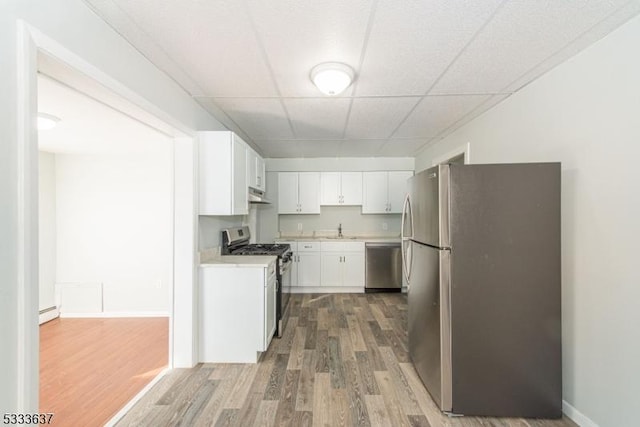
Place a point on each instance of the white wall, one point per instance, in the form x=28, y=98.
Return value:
x=338, y=164
x=114, y=226
x=47, y=229
x=586, y=114
x=73, y=25
x=209, y=236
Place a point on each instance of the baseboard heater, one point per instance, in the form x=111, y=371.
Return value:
x=48, y=314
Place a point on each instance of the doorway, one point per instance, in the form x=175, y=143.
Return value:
x=182, y=344
x=104, y=253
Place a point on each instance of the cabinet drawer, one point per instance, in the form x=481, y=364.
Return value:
x=342, y=246
x=308, y=246
x=353, y=246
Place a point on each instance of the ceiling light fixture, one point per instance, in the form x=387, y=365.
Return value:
x=47, y=121
x=332, y=78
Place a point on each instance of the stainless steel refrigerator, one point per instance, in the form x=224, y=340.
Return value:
x=481, y=254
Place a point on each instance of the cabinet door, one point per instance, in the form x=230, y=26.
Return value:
x=398, y=190
x=288, y=192
x=270, y=311
x=331, y=272
x=309, y=192
x=351, y=188
x=353, y=269
x=252, y=170
x=309, y=270
x=240, y=196
x=374, y=192
x=330, y=188
x=261, y=176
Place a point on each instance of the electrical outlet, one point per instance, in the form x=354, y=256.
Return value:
x=385, y=226
x=299, y=226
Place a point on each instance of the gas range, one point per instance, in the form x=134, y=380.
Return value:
x=235, y=241
x=261, y=249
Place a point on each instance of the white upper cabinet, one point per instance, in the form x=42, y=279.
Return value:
x=384, y=192
x=375, y=192
x=299, y=192
x=255, y=170
x=398, y=189
x=341, y=188
x=223, y=173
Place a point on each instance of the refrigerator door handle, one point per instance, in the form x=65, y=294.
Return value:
x=406, y=240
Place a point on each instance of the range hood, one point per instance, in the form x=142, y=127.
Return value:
x=257, y=197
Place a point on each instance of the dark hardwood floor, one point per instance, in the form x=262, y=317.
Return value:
x=343, y=361
x=91, y=368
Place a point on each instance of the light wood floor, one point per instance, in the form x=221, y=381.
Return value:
x=90, y=368
x=342, y=361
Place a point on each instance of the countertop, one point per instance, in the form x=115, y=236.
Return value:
x=212, y=258
x=372, y=239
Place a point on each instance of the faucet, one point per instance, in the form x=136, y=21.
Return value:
x=340, y=230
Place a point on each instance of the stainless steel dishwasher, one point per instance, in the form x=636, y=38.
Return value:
x=383, y=267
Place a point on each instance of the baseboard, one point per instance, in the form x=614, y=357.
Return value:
x=115, y=314
x=327, y=289
x=48, y=315
x=578, y=417
x=130, y=404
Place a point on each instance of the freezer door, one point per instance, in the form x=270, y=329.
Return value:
x=429, y=202
x=429, y=324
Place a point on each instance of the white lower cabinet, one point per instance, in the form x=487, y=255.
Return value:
x=237, y=312
x=342, y=264
x=305, y=268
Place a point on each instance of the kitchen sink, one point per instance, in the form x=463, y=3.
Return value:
x=340, y=238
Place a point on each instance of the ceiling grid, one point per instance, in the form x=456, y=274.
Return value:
x=423, y=67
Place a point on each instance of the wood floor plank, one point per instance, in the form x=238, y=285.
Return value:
x=378, y=411
x=322, y=400
x=346, y=347
x=297, y=348
x=336, y=367
x=340, y=414
x=312, y=335
x=287, y=403
x=242, y=386
x=266, y=415
x=405, y=394
x=366, y=373
x=322, y=351
x=380, y=317
x=274, y=387
x=227, y=418
x=356, y=334
x=304, y=397
x=391, y=399
x=302, y=419
x=355, y=393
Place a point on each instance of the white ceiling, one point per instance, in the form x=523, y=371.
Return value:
x=90, y=127
x=424, y=67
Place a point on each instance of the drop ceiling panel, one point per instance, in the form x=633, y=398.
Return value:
x=259, y=118
x=327, y=148
x=377, y=117
x=360, y=148
x=491, y=102
x=318, y=118
x=521, y=35
x=312, y=32
x=279, y=149
x=403, y=147
x=434, y=114
x=412, y=43
x=214, y=40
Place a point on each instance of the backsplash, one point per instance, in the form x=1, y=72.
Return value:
x=352, y=220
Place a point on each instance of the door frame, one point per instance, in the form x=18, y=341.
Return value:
x=463, y=149
x=183, y=307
